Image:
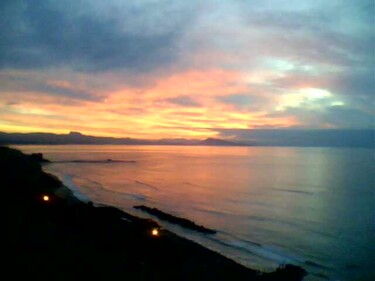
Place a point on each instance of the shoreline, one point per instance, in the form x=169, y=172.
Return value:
x=89, y=241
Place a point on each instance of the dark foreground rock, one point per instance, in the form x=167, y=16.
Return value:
x=175, y=220
x=50, y=235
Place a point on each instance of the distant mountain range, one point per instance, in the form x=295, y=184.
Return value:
x=78, y=138
x=274, y=137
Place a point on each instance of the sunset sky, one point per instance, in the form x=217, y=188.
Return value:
x=193, y=69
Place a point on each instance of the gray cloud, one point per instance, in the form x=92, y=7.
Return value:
x=72, y=33
x=133, y=44
x=360, y=82
x=183, y=101
x=333, y=116
x=342, y=117
x=61, y=91
x=38, y=85
x=244, y=101
x=11, y=103
x=336, y=35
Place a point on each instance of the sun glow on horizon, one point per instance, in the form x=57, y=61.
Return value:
x=184, y=105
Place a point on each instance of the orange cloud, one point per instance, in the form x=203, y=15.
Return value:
x=184, y=104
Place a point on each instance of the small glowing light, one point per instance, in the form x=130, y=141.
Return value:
x=46, y=198
x=155, y=232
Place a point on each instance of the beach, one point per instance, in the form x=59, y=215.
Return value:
x=52, y=235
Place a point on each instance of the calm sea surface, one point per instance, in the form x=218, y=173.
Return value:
x=312, y=207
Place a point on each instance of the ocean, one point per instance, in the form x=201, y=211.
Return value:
x=312, y=207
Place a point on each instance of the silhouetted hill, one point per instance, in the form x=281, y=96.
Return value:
x=272, y=137
x=71, y=138
x=78, y=138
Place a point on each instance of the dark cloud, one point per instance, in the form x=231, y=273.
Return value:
x=37, y=85
x=50, y=33
x=73, y=51
x=332, y=116
x=360, y=82
x=342, y=117
x=243, y=100
x=299, y=137
x=62, y=91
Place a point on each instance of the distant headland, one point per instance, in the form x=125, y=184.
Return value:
x=353, y=138
x=78, y=138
